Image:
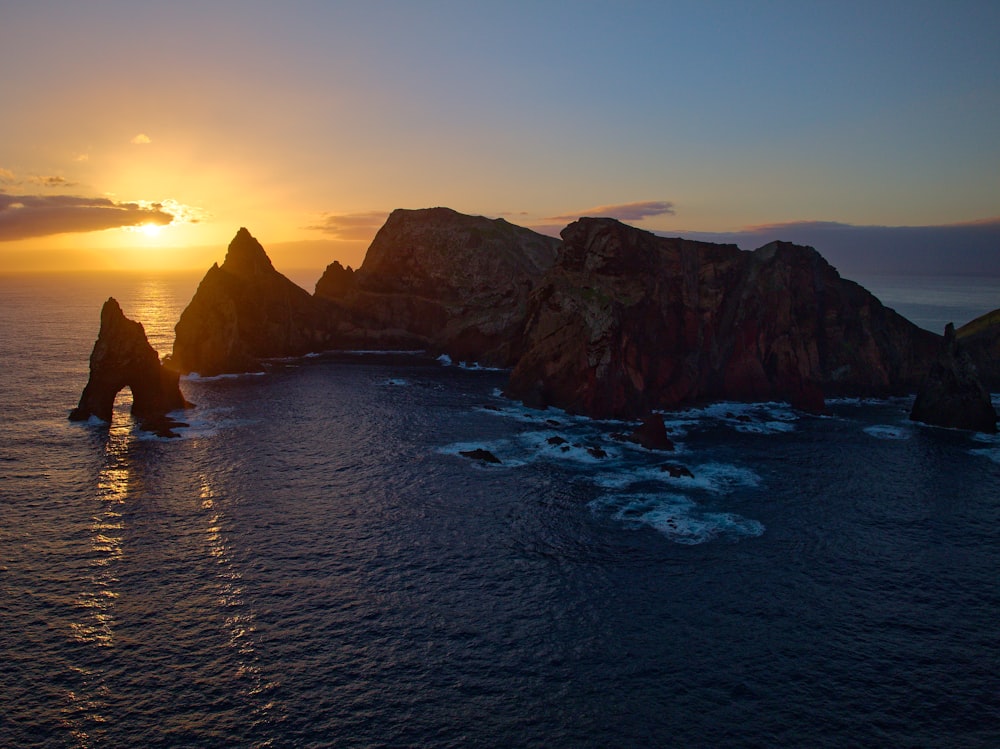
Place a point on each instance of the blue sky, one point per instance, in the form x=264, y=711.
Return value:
x=308, y=122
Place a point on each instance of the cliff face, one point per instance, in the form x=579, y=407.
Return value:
x=245, y=311
x=626, y=322
x=122, y=357
x=440, y=280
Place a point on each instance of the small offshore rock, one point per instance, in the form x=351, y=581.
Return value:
x=480, y=454
x=652, y=434
x=676, y=470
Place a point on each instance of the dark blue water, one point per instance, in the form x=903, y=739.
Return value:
x=314, y=564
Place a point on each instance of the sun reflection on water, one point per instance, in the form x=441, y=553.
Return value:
x=87, y=709
x=239, y=620
x=106, y=529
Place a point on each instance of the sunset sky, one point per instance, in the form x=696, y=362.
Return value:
x=307, y=122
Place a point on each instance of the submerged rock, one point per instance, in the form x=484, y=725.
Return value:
x=122, y=357
x=952, y=395
x=652, y=434
x=676, y=470
x=480, y=454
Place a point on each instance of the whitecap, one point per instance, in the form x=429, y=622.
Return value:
x=888, y=432
x=445, y=360
x=988, y=453
x=675, y=516
x=195, y=377
x=397, y=381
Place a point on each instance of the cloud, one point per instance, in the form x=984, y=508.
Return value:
x=623, y=211
x=80, y=158
x=351, y=225
x=949, y=249
x=51, y=181
x=24, y=216
x=141, y=139
x=6, y=175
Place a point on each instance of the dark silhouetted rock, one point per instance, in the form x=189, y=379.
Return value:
x=952, y=395
x=652, y=434
x=626, y=322
x=480, y=454
x=596, y=452
x=243, y=312
x=556, y=440
x=122, y=357
x=676, y=470
x=442, y=281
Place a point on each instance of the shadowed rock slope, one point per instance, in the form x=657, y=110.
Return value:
x=442, y=281
x=626, y=322
x=245, y=311
x=122, y=357
x=981, y=339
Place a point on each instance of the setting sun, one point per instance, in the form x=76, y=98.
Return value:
x=150, y=230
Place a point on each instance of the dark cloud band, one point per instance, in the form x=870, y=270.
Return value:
x=27, y=216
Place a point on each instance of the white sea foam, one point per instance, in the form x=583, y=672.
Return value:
x=752, y=418
x=445, y=360
x=195, y=377
x=991, y=445
x=397, y=381
x=675, y=516
x=888, y=432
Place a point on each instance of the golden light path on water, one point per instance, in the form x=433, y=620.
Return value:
x=96, y=601
x=239, y=619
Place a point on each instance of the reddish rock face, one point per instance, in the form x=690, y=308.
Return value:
x=626, y=322
x=122, y=357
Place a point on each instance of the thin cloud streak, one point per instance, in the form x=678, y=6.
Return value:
x=26, y=216
x=622, y=211
x=351, y=225
x=968, y=248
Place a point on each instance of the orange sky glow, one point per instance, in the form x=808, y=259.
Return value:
x=144, y=137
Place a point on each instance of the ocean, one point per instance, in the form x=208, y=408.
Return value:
x=314, y=563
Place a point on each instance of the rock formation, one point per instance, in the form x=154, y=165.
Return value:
x=626, y=322
x=122, y=357
x=612, y=322
x=440, y=280
x=245, y=311
x=952, y=395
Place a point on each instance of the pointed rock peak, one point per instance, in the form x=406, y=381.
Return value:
x=111, y=308
x=246, y=256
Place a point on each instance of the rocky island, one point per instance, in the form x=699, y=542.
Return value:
x=611, y=321
x=122, y=357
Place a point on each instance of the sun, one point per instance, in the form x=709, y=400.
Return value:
x=150, y=230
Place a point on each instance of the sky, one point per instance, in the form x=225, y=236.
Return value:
x=144, y=135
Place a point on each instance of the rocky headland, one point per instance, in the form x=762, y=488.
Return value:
x=611, y=321
x=122, y=357
x=626, y=322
